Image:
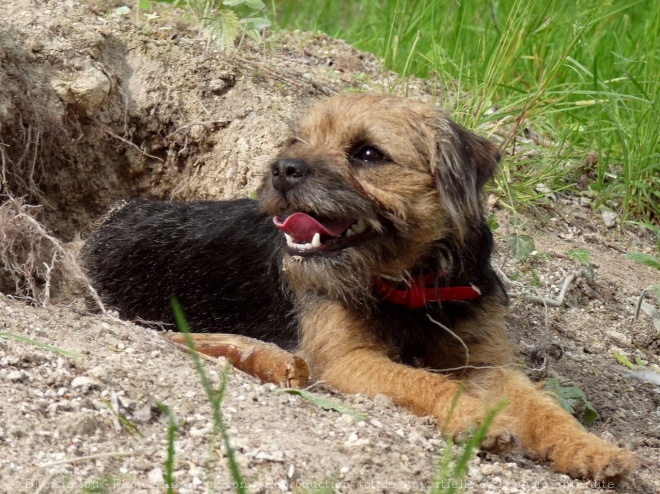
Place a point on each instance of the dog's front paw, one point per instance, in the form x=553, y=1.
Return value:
x=594, y=459
x=465, y=421
x=499, y=442
x=496, y=440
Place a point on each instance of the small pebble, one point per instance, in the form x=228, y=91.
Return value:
x=83, y=382
x=17, y=376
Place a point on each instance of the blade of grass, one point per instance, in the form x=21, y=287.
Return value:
x=324, y=403
x=36, y=343
x=450, y=479
x=215, y=398
x=171, y=435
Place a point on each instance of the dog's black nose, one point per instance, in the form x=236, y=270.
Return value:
x=287, y=173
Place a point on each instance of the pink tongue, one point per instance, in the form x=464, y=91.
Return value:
x=302, y=227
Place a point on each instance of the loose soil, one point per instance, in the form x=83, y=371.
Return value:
x=95, y=108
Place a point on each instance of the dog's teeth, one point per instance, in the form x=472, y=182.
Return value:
x=349, y=232
x=359, y=227
x=316, y=241
x=289, y=238
x=300, y=247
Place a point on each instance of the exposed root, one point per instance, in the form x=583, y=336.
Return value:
x=109, y=131
x=30, y=134
x=32, y=259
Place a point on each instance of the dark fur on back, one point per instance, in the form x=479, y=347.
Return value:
x=221, y=260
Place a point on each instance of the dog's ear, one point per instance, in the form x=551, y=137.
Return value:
x=480, y=154
x=464, y=162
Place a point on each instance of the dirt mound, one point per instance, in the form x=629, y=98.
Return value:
x=94, y=109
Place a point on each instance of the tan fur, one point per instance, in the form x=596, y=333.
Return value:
x=428, y=192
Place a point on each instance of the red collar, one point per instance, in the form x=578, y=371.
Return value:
x=422, y=290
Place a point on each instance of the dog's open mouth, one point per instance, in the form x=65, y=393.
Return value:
x=307, y=235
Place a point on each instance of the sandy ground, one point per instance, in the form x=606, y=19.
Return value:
x=56, y=409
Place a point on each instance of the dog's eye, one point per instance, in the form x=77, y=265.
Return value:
x=369, y=154
x=291, y=141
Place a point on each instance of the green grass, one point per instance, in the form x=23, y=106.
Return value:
x=215, y=398
x=41, y=345
x=172, y=429
x=454, y=466
x=584, y=73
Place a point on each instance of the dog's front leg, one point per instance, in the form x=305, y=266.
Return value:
x=546, y=429
x=341, y=350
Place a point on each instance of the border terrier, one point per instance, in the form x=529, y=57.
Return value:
x=369, y=254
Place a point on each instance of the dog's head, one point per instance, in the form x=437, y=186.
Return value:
x=371, y=185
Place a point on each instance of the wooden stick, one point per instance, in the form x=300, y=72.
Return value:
x=266, y=361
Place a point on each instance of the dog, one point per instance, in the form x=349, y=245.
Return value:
x=368, y=253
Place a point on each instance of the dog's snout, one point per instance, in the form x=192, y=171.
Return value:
x=286, y=173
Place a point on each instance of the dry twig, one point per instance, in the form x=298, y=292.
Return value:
x=559, y=301
x=66, y=461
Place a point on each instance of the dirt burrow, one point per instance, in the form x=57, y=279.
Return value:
x=94, y=108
